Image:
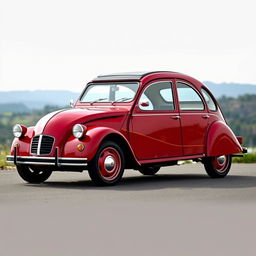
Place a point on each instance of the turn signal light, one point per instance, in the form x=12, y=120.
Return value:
x=80, y=147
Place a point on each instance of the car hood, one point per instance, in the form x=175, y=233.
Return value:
x=60, y=122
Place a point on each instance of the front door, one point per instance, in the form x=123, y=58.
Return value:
x=155, y=123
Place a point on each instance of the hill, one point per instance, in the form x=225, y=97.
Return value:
x=230, y=89
x=38, y=99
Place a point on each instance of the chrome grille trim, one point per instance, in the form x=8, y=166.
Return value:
x=42, y=145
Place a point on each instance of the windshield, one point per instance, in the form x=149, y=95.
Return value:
x=110, y=92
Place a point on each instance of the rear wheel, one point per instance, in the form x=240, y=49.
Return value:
x=33, y=174
x=107, y=167
x=149, y=170
x=218, y=166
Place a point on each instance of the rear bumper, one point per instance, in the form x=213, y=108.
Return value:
x=53, y=161
x=245, y=150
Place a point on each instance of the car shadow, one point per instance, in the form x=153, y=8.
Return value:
x=160, y=181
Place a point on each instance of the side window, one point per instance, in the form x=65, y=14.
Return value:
x=124, y=92
x=157, y=97
x=209, y=100
x=188, y=98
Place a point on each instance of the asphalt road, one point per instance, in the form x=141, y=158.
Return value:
x=179, y=211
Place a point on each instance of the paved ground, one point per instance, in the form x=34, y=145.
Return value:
x=180, y=211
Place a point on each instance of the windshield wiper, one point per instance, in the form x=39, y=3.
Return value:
x=121, y=100
x=98, y=100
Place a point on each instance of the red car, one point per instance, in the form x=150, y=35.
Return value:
x=140, y=121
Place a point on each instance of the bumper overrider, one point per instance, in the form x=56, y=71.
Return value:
x=53, y=161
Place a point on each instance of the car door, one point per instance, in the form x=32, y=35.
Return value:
x=155, y=123
x=193, y=117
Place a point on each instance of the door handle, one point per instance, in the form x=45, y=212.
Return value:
x=175, y=117
x=205, y=116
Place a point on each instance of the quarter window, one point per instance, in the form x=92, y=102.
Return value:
x=209, y=100
x=188, y=98
x=157, y=97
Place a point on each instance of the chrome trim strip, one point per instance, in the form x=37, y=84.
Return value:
x=158, y=114
x=36, y=163
x=50, y=158
x=68, y=164
x=50, y=162
x=39, y=144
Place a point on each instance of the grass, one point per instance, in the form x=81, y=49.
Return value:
x=247, y=159
x=4, y=151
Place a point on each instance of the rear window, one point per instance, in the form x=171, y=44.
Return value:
x=188, y=98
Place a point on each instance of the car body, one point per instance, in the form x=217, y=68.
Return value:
x=141, y=121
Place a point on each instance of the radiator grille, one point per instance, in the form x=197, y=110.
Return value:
x=42, y=145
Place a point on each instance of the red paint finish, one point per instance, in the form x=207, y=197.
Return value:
x=155, y=135
x=194, y=127
x=221, y=140
x=150, y=136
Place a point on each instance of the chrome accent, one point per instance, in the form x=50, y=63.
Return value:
x=109, y=163
x=39, y=144
x=71, y=103
x=17, y=128
x=78, y=128
x=62, y=161
x=221, y=159
x=175, y=117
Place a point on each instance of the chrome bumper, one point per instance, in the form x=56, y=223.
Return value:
x=57, y=161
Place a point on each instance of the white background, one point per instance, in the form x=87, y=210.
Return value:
x=63, y=44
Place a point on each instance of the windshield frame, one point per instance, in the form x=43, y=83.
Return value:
x=108, y=102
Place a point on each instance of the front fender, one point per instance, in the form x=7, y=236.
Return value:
x=23, y=144
x=92, y=140
x=221, y=140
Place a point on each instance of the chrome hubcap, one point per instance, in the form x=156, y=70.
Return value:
x=109, y=163
x=221, y=159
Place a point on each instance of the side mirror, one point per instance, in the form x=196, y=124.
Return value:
x=144, y=104
x=71, y=103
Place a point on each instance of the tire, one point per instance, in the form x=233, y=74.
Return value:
x=33, y=174
x=218, y=166
x=107, y=167
x=149, y=170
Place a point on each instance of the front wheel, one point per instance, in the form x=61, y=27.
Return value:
x=218, y=166
x=107, y=167
x=33, y=174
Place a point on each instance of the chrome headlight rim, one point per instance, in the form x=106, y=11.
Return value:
x=17, y=131
x=78, y=131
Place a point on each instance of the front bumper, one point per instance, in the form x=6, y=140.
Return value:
x=54, y=161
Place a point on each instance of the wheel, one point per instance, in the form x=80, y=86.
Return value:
x=149, y=170
x=33, y=174
x=107, y=167
x=218, y=166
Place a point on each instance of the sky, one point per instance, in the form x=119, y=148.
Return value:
x=49, y=45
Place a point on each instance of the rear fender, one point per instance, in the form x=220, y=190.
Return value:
x=221, y=140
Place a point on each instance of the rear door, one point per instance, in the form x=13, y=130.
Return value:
x=194, y=118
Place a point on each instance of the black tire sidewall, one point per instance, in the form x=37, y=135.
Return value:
x=149, y=170
x=212, y=171
x=93, y=168
x=30, y=177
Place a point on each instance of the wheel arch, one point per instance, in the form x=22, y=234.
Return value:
x=100, y=135
x=221, y=140
x=131, y=161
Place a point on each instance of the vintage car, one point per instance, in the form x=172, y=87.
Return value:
x=140, y=121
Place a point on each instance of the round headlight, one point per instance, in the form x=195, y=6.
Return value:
x=17, y=130
x=78, y=131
